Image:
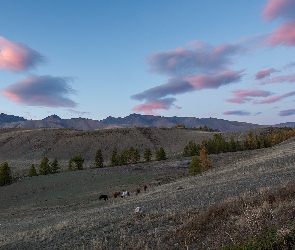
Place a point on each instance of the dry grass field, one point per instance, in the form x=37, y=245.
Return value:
x=244, y=194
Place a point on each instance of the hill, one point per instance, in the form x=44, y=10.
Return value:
x=133, y=120
x=62, y=211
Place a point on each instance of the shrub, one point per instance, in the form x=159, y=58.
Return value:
x=195, y=166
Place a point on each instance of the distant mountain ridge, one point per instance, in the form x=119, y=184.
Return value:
x=132, y=120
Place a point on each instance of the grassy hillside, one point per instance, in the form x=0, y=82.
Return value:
x=62, y=211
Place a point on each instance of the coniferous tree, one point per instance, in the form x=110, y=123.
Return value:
x=79, y=161
x=195, y=166
x=232, y=145
x=54, y=166
x=115, y=158
x=5, y=174
x=98, y=159
x=147, y=154
x=136, y=156
x=124, y=157
x=44, y=167
x=191, y=149
x=160, y=155
x=32, y=171
x=204, y=158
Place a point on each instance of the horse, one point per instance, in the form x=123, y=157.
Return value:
x=117, y=194
x=103, y=197
x=145, y=188
x=137, y=191
x=125, y=193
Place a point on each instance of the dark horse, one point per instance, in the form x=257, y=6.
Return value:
x=103, y=197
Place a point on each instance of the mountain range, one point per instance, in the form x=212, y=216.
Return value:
x=132, y=120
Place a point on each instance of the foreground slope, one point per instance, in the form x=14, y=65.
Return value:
x=62, y=211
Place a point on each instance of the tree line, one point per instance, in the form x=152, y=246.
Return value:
x=218, y=144
x=127, y=156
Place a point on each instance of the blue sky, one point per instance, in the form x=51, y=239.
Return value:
x=233, y=60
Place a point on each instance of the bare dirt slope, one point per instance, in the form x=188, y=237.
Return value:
x=71, y=216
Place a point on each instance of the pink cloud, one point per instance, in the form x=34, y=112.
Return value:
x=202, y=58
x=236, y=112
x=275, y=98
x=18, y=56
x=242, y=96
x=279, y=8
x=287, y=112
x=264, y=73
x=149, y=107
x=46, y=91
x=214, y=81
x=279, y=79
x=284, y=35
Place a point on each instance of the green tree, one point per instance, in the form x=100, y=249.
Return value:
x=32, y=171
x=44, y=167
x=98, y=159
x=78, y=163
x=232, y=145
x=191, y=149
x=5, y=174
x=54, y=166
x=115, y=159
x=147, y=154
x=160, y=154
x=134, y=155
x=195, y=166
x=124, y=157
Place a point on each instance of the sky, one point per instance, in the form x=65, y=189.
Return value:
x=232, y=60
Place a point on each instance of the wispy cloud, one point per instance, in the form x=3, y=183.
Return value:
x=200, y=59
x=284, y=35
x=243, y=96
x=279, y=79
x=279, y=8
x=275, y=98
x=76, y=112
x=237, y=112
x=46, y=91
x=150, y=106
x=16, y=56
x=287, y=112
x=264, y=73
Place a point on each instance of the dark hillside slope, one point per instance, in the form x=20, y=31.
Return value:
x=30, y=145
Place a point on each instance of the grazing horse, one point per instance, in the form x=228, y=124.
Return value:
x=103, y=197
x=125, y=193
x=137, y=191
x=117, y=194
x=145, y=188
